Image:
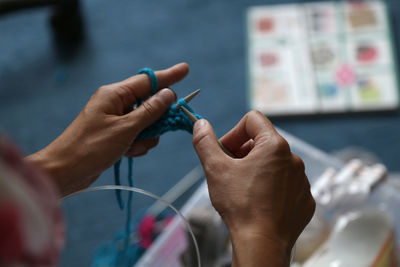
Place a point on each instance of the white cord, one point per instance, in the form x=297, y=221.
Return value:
x=149, y=194
x=177, y=190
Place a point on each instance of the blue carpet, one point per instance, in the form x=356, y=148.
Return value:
x=41, y=93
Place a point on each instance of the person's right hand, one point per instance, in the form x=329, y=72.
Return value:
x=263, y=195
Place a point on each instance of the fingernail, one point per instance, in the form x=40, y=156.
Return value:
x=173, y=91
x=138, y=149
x=199, y=125
x=166, y=96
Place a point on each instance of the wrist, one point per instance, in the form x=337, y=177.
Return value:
x=253, y=246
x=56, y=164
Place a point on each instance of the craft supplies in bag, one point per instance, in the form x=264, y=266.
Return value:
x=348, y=187
x=212, y=237
x=363, y=238
x=120, y=250
x=363, y=228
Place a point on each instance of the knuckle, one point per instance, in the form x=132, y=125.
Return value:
x=307, y=186
x=279, y=145
x=148, y=109
x=215, y=166
x=200, y=137
x=124, y=120
x=298, y=162
x=311, y=205
x=308, y=206
x=103, y=89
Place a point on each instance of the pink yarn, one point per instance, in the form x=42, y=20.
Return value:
x=146, y=230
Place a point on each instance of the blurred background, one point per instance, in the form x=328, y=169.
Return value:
x=54, y=57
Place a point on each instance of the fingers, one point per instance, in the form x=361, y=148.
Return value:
x=150, y=110
x=140, y=148
x=251, y=127
x=206, y=143
x=244, y=149
x=139, y=86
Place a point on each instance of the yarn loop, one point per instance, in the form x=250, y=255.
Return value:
x=174, y=119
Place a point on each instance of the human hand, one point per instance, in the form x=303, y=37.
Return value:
x=106, y=128
x=263, y=195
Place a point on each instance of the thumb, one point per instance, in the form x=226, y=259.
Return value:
x=205, y=142
x=151, y=110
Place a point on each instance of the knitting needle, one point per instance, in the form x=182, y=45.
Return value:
x=189, y=114
x=189, y=97
x=194, y=119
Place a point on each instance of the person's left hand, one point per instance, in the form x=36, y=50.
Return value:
x=106, y=128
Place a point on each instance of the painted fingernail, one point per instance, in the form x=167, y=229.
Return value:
x=166, y=95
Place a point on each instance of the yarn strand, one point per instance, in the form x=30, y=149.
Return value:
x=173, y=119
x=117, y=182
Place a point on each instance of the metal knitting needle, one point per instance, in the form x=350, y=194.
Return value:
x=189, y=114
x=194, y=119
x=189, y=97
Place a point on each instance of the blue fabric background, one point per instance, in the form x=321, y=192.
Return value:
x=40, y=94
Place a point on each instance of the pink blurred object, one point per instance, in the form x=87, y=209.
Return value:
x=31, y=225
x=11, y=242
x=146, y=230
x=345, y=75
x=268, y=59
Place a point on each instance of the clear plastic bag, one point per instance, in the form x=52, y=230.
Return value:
x=358, y=212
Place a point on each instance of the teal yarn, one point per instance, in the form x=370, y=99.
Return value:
x=174, y=119
x=116, y=252
x=153, y=79
x=117, y=181
x=112, y=253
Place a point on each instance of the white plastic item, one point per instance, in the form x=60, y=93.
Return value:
x=316, y=233
x=348, y=188
x=360, y=239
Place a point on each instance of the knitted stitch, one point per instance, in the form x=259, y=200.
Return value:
x=172, y=120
